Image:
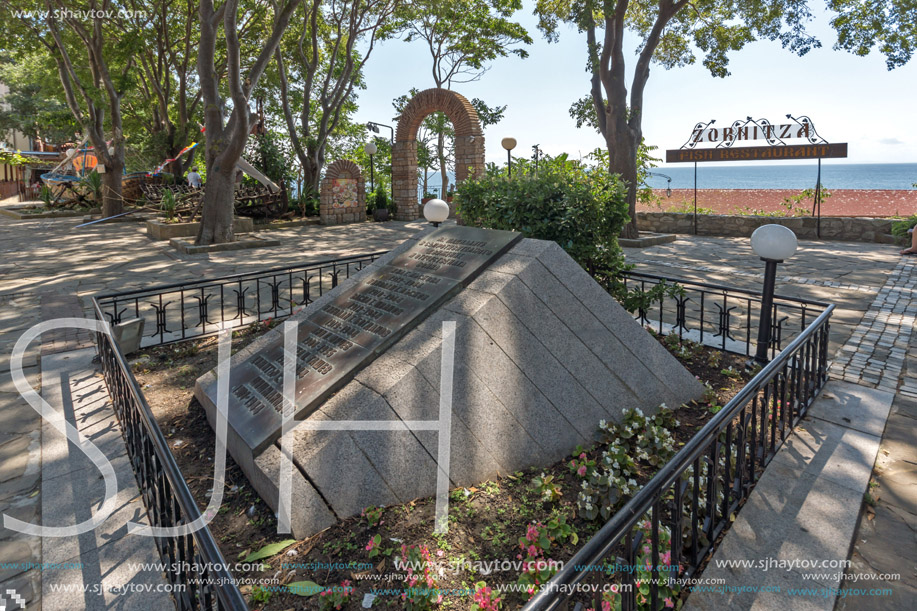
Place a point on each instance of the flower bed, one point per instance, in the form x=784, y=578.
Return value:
x=505, y=537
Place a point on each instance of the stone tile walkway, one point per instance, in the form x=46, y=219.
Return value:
x=874, y=355
x=875, y=347
x=49, y=269
x=49, y=259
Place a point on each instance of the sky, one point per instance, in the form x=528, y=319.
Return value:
x=850, y=99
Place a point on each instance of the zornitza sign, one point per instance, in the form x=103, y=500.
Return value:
x=750, y=130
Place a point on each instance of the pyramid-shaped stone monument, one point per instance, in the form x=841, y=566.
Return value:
x=541, y=354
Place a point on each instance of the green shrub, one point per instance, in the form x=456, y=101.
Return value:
x=582, y=208
x=379, y=199
x=900, y=228
x=92, y=182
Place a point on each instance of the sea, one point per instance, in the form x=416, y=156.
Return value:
x=800, y=176
x=796, y=176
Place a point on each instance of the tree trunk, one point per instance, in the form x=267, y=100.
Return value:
x=112, y=202
x=622, y=159
x=217, y=210
x=443, y=170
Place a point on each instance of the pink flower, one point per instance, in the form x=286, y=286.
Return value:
x=669, y=603
x=533, y=551
x=606, y=606
x=583, y=456
x=581, y=471
x=370, y=545
x=440, y=553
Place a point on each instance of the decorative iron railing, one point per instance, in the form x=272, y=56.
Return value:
x=188, y=310
x=193, y=562
x=695, y=493
x=708, y=478
x=720, y=316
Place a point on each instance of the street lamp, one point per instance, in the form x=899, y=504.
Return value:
x=371, y=150
x=536, y=152
x=436, y=211
x=774, y=244
x=509, y=144
x=668, y=187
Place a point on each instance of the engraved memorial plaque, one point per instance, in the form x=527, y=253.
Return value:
x=341, y=337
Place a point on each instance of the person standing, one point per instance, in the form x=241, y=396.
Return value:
x=194, y=179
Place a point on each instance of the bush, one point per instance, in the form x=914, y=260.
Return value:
x=379, y=199
x=582, y=208
x=900, y=228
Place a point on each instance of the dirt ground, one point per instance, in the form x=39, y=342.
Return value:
x=485, y=521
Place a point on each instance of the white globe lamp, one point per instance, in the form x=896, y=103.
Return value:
x=371, y=148
x=436, y=211
x=774, y=244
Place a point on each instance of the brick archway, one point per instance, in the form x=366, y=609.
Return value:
x=469, y=144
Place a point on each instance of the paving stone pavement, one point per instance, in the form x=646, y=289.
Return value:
x=44, y=259
x=875, y=347
x=49, y=269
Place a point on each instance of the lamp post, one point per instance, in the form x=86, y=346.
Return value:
x=371, y=150
x=774, y=244
x=436, y=211
x=509, y=144
x=668, y=187
x=374, y=127
x=536, y=152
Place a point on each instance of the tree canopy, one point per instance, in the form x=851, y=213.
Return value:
x=887, y=25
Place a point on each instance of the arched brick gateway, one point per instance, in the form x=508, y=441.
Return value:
x=469, y=144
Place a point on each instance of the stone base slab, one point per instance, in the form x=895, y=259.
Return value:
x=158, y=229
x=244, y=242
x=647, y=239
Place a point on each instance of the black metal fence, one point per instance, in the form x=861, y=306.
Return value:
x=193, y=562
x=181, y=311
x=693, y=496
x=720, y=316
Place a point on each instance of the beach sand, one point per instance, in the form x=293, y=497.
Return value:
x=842, y=202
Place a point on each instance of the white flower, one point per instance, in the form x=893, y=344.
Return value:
x=631, y=482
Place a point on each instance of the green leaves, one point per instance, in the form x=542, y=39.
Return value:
x=304, y=588
x=888, y=25
x=581, y=207
x=269, y=550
